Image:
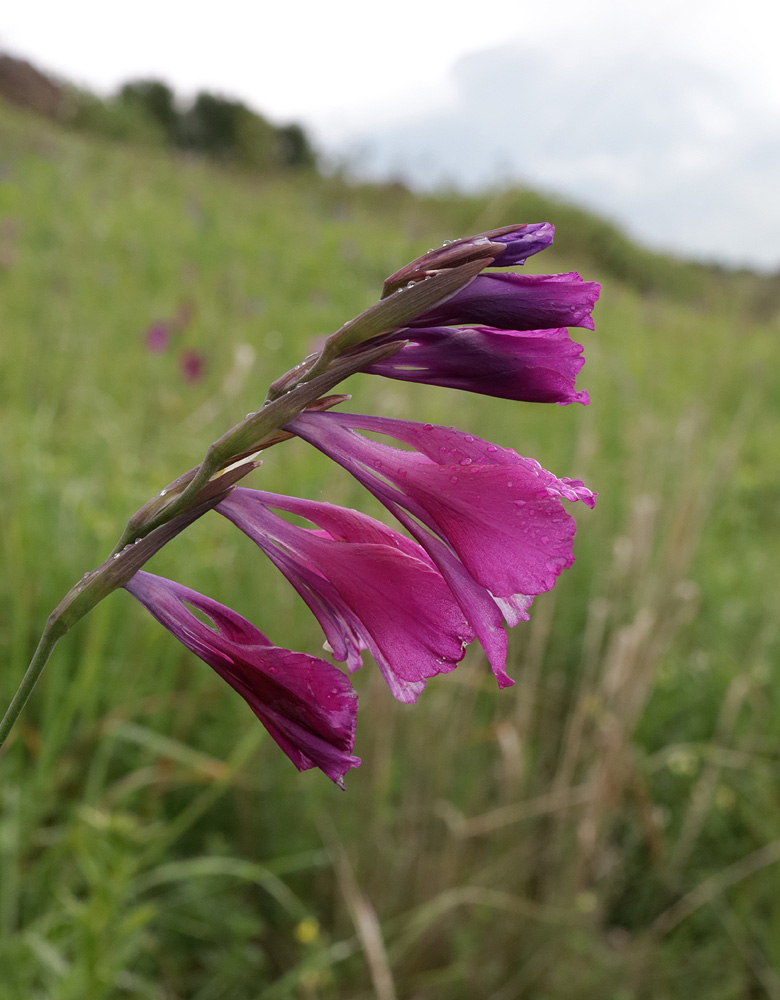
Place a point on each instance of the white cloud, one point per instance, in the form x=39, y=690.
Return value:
x=644, y=109
x=661, y=144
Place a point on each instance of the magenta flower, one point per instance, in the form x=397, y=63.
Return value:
x=306, y=704
x=157, y=338
x=523, y=352
x=368, y=586
x=489, y=529
x=538, y=366
x=191, y=365
x=518, y=302
x=491, y=521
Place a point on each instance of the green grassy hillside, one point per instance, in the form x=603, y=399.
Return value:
x=608, y=827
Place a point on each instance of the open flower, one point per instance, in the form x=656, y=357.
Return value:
x=369, y=586
x=537, y=366
x=492, y=521
x=306, y=704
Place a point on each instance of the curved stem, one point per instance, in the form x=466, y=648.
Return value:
x=51, y=634
x=194, y=493
x=94, y=586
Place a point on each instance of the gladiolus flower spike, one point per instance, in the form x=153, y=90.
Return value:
x=489, y=529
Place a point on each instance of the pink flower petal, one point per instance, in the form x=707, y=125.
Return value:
x=537, y=366
x=491, y=520
x=306, y=704
x=370, y=587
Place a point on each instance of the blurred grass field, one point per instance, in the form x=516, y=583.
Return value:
x=608, y=827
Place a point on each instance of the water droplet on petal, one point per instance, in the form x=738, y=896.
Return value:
x=469, y=438
x=492, y=448
x=453, y=479
x=427, y=427
x=465, y=461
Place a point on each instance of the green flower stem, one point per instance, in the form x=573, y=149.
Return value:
x=248, y=437
x=94, y=586
x=51, y=634
x=393, y=312
x=184, y=501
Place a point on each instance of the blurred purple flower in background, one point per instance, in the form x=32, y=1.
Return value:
x=158, y=338
x=160, y=335
x=192, y=365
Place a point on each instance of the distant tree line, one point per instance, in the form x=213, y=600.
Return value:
x=226, y=130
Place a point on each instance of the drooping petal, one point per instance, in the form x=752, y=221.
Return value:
x=481, y=609
x=518, y=302
x=370, y=587
x=501, y=513
x=491, y=512
x=307, y=705
x=538, y=366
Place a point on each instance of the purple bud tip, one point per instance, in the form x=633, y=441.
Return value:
x=523, y=242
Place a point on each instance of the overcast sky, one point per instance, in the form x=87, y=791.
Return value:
x=663, y=115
